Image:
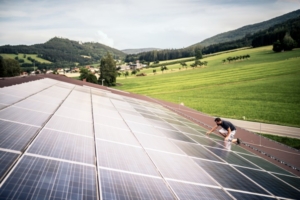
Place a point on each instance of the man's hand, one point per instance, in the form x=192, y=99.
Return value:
x=226, y=139
x=208, y=132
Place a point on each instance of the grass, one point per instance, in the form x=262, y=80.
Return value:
x=21, y=56
x=264, y=88
x=292, y=142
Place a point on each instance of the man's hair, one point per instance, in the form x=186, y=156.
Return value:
x=218, y=119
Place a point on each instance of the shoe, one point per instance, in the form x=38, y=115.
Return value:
x=238, y=141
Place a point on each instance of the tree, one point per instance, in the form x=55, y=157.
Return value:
x=108, y=70
x=193, y=65
x=198, y=53
x=91, y=78
x=133, y=72
x=162, y=69
x=126, y=74
x=224, y=61
x=10, y=67
x=288, y=42
x=3, y=67
x=277, y=46
x=154, y=71
x=84, y=72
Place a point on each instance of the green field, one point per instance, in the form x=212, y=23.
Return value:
x=264, y=88
x=21, y=56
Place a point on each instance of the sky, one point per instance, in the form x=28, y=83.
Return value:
x=127, y=24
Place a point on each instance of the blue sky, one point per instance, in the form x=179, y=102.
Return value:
x=131, y=23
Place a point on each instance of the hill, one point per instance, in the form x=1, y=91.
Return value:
x=247, y=30
x=136, y=51
x=261, y=88
x=62, y=50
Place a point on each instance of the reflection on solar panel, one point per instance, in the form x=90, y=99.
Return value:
x=193, y=191
x=64, y=141
x=118, y=185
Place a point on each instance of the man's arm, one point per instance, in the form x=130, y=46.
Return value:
x=213, y=129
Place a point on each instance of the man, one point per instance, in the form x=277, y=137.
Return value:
x=228, y=130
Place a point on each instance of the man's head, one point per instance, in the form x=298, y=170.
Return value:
x=218, y=121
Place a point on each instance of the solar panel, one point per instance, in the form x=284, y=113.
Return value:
x=118, y=185
x=142, y=128
x=231, y=158
x=70, y=125
x=205, y=141
x=115, y=134
x=197, y=151
x=158, y=143
x=8, y=99
x=15, y=136
x=37, y=106
x=39, y=178
x=228, y=177
x=179, y=167
x=114, y=122
x=64, y=146
x=265, y=164
x=6, y=159
x=175, y=135
x=124, y=157
x=292, y=180
x=85, y=115
x=24, y=116
x=272, y=184
x=192, y=191
x=247, y=196
x=161, y=124
x=66, y=141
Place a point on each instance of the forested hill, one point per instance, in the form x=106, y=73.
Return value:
x=246, y=30
x=65, y=50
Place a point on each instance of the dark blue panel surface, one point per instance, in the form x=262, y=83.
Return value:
x=294, y=181
x=272, y=184
x=15, y=136
x=231, y=157
x=39, y=178
x=6, y=159
x=229, y=177
x=118, y=185
x=246, y=196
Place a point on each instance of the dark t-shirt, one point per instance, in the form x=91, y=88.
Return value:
x=226, y=125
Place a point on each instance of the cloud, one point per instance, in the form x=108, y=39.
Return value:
x=132, y=23
x=104, y=39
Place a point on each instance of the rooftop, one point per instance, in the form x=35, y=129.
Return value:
x=62, y=138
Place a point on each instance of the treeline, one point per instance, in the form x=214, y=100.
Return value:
x=258, y=39
x=277, y=32
x=166, y=54
x=9, y=67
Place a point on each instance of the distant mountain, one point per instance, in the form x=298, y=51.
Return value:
x=136, y=51
x=247, y=30
x=65, y=50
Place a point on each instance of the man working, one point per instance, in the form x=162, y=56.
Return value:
x=228, y=130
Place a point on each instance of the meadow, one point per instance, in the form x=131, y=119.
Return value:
x=21, y=56
x=264, y=88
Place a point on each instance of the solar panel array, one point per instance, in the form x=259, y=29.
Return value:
x=63, y=141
